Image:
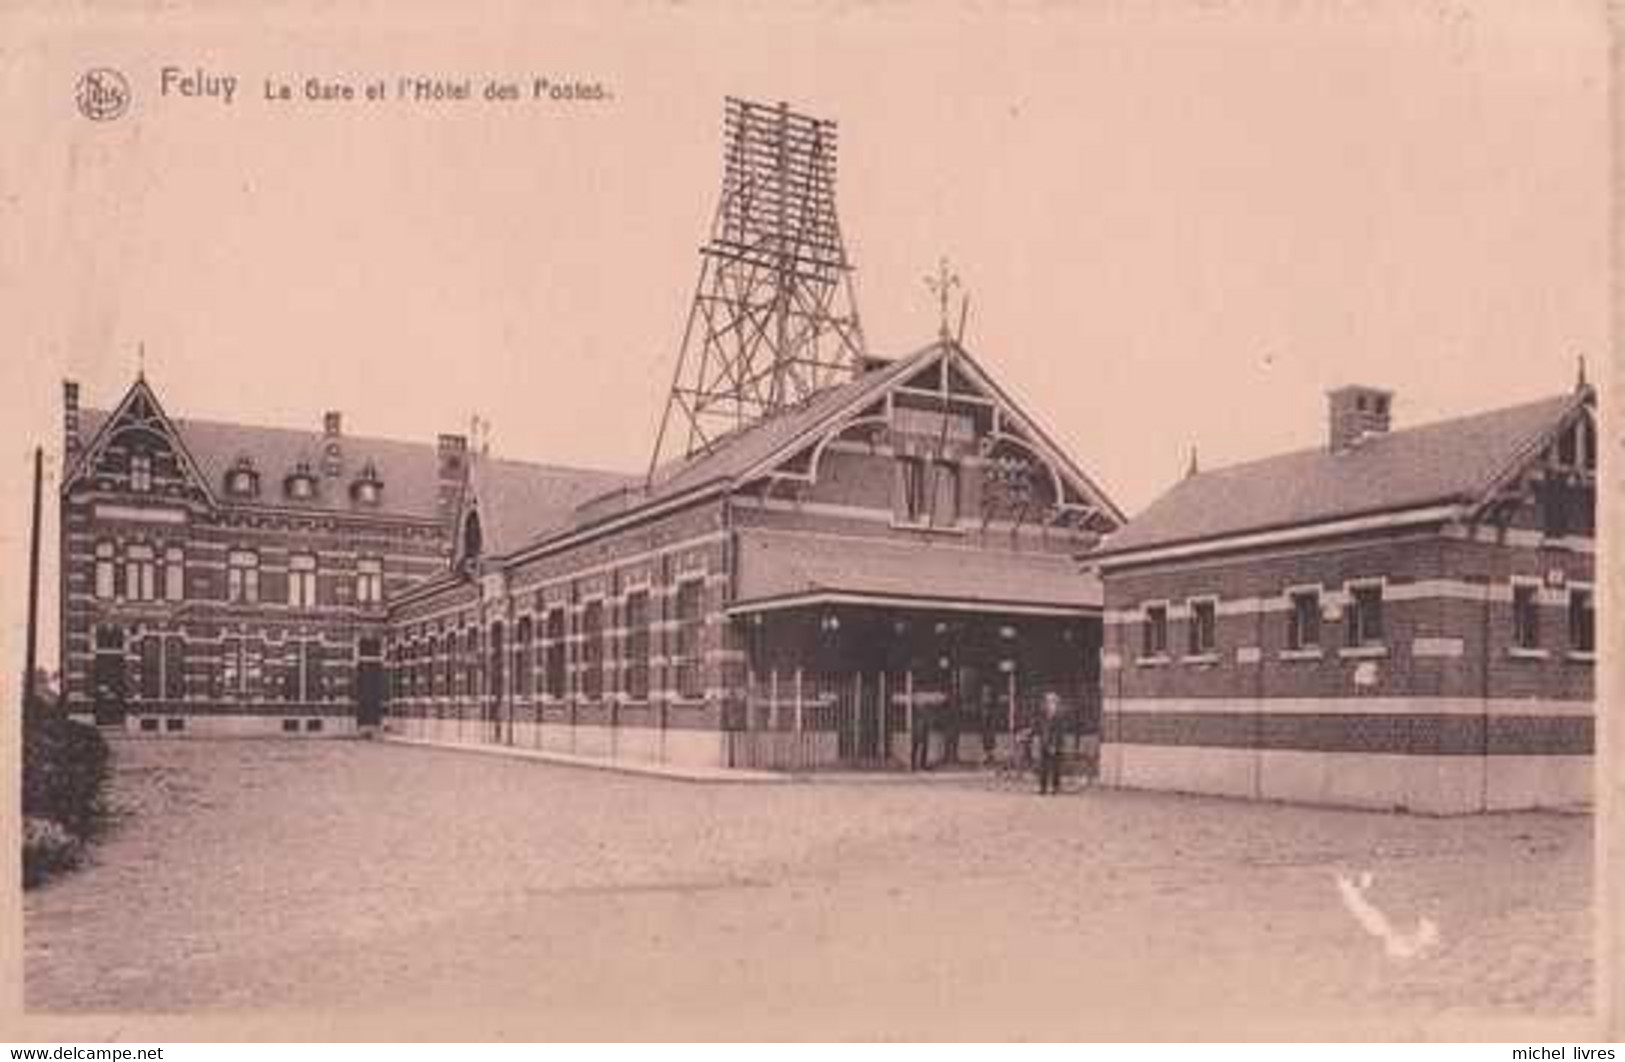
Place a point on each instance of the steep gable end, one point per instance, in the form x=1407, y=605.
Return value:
x=138, y=449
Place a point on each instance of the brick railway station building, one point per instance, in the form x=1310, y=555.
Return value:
x=1398, y=619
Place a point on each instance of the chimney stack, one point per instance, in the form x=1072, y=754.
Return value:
x=71, y=442
x=332, y=423
x=1354, y=413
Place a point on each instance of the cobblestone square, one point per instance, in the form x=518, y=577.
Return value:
x=359, y=877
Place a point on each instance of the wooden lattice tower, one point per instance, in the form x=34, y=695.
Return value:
x=773, y=318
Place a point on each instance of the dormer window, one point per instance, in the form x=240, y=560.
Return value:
x=301, y=483
x=242, y=481
x=367, y=487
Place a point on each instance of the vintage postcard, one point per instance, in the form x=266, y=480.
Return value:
x=831, y=521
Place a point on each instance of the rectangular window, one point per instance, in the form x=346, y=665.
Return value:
x=106, y=574
x=369, y=581
x=1582, y=620
x=140, y=574
x=1362, y=620
x=944, y=494
x=1203, y=621
x=1303, y=620
x=140, y=473
x=913, y=502
x=637, y=645
x=592, y=650
x=174, y=668
x=310, y=678
x=302, y=581
x=152, y=676
x=1154, y=631
x=243, y=576
x=232, y=669
x=554, y=650
x=523, y=672
x=1526, y=615
x=174, y=574
x=690, y=623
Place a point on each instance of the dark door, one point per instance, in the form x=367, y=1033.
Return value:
x=369, y=683
x=107, y=677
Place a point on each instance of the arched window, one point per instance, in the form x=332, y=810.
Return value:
x=473, y=541
x=369, y=581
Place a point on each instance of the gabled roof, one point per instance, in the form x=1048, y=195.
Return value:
x=1451, y=461
x=756, y=447
x=737, y=453
x=517, y=500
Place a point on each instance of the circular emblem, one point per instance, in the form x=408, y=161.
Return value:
x=103, y=94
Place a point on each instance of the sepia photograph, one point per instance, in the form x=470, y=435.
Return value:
x=836, y=521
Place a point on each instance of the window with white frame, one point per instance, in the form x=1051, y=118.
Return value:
x=554, y=674
x=140, y=573
x=637, y=645
x=106, y=571
x=1582, y=620
x=1303, y=620
x=914, y=504
x=243, y=576
x=1202, y=628
x=1526, y=615
x=174, y=574
x=302, y=580
x=1154, y=631
x=141, y=473
x=592, y=650
x=369, y=581
x=690, y=624
x=1362, y=616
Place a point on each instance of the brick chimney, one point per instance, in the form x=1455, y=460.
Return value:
x=71, y=441
x=1355, y=412
x=332, y=451
x=453, y=460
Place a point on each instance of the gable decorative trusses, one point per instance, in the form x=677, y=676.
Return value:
x=949, y=389
x=139, y=412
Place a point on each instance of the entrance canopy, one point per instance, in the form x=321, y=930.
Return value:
x=785, y=569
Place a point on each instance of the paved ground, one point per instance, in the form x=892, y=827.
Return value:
x=355, y=877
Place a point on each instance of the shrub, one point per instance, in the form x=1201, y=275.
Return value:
x=64, y=769
x=48, y=848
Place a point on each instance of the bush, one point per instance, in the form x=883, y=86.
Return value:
x=48, y=849
x=64, y=770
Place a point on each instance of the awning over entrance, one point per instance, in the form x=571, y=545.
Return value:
x=786, y=569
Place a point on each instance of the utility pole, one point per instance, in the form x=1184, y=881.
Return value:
x=33, y=583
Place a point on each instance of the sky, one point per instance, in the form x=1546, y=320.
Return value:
x=1178, y=223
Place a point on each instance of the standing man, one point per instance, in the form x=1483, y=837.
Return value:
x=987, y=717
x=919, y=756
x=1049, y=744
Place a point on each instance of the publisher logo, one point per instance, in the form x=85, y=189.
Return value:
x=103, y=94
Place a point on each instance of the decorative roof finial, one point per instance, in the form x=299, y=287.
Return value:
x=1192, y=468
x=141, y=360
x=944, y=281
x=1580, y=383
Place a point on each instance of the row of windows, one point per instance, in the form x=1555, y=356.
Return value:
x=1362, y=621
x=246, y=669
x=138, y=574
x=454, y=664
